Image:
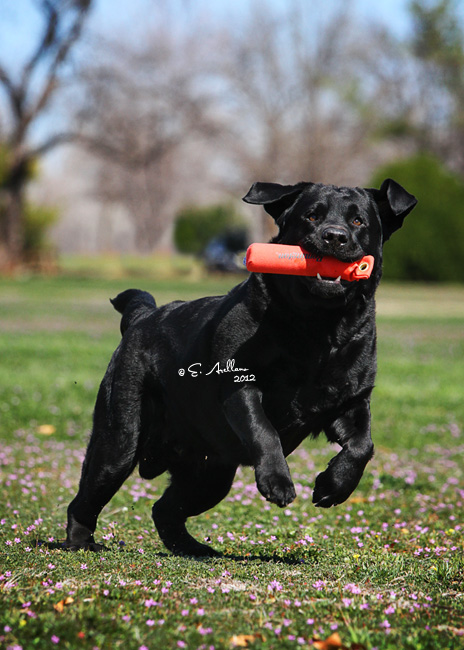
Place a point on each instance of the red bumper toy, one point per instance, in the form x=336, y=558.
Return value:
x=295, y=260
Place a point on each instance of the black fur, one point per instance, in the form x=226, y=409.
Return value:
x=198, y=388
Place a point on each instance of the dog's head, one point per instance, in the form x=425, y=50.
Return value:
x=341, y=222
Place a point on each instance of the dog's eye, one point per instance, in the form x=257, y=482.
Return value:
x=357, y=221
x=312, y=217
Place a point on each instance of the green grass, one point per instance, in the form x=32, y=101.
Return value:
x=382, y=571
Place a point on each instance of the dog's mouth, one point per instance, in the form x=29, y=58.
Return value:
x=323, y=278
x=326, y=287
x=328, y=292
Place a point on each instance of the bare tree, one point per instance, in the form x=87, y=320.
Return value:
x=284, y=95
x=266, y=100
x=144, y=105
x=438, y=47
x=415, y=87
x=288, y=82
x=28, y=96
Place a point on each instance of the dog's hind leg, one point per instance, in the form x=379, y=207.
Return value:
x=105, y=469
x=153, y=444
x=110, y=458
x=194, y=488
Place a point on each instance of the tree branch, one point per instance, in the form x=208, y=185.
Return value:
x=106, y=149
x=5, y=79
x=52, y=142
x=120, y=156
x=60, y=57
x=48, y=40
x=14, y=94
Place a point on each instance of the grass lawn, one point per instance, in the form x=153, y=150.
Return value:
x=384, y=570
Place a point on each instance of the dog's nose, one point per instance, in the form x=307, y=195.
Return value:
x=335, y=235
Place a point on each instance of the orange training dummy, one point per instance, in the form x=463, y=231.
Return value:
x=294, y=260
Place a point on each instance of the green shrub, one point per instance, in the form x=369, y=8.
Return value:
x=430, y=246
x=38, y=219
x=195, y=226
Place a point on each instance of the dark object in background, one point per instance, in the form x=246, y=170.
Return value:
x=224, y=253
x=198, y=388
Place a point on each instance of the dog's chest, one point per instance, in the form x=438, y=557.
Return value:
x=317, y=379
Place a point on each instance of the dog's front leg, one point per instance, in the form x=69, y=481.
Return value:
x=353, y=432
x=244, y=412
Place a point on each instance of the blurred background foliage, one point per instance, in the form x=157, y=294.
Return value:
x=431, y=247
x=147, y=135
x=196, y=226
x=37, y=248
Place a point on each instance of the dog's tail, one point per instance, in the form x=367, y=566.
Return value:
x=133, y=304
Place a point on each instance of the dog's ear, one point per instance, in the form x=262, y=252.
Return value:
x=274, y=197
x=394, y=204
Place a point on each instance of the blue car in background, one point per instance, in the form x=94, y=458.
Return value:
x=225, y=252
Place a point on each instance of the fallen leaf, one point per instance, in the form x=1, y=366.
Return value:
x=59, y=607
x=334, y=642
x=331, y=643
x=242, y=640
x=46, y=429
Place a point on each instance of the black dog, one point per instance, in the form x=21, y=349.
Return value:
x=198, y=388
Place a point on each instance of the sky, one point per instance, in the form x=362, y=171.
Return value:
x=392, y=11
x=19, y=18
x=20, y=21
x=20, y=24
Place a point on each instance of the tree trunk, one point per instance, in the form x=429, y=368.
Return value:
x=11, y=226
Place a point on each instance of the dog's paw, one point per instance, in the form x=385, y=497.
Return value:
x=192, y=548
x=333, y=488
x=276, y=487
x=176, y=537
x=185, y=545
x=87, y=546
